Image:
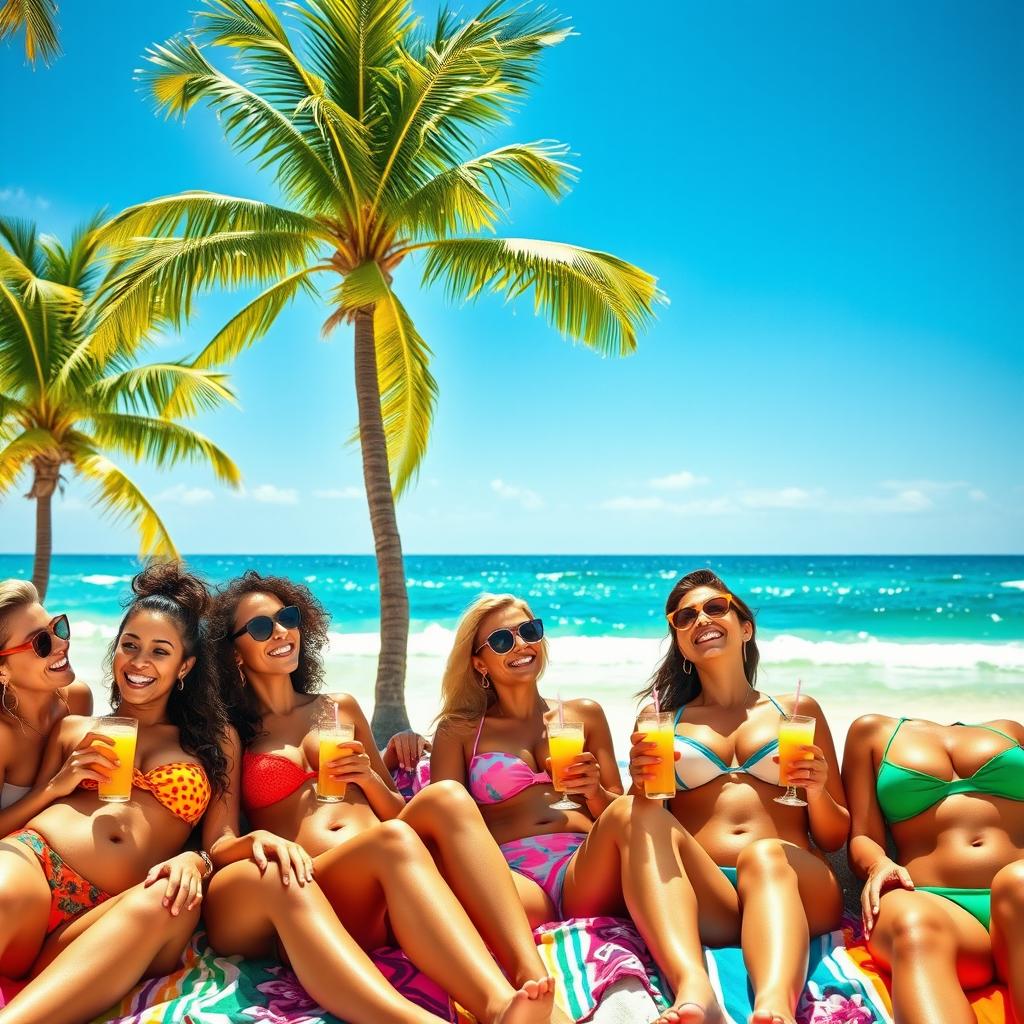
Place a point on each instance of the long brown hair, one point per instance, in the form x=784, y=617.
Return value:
x=677, y=687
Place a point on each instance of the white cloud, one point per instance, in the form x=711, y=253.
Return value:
x=341, y=493
x=179, y=494
x=17, y=196
x=976, y=494
x=707, y=507
x=782, y=497
x=678, y=481
x=628, y=504
x=272, y=495
x=908, y=499
x=527, y=498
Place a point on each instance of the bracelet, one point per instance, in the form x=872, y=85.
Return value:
x=205, y=858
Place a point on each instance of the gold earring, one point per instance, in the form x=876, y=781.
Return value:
x=241, y=675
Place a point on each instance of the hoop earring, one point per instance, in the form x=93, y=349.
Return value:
x=181, y=684
x=745, y=652
x=241, y=675
x=485, y=683
x=687, y=666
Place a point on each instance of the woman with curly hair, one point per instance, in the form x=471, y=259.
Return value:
x=87, y=933
x=37, y=690
x=761, y=880
x=375, y=880
x=607, y=854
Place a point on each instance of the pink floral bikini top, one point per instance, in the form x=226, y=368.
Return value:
x=498, y=776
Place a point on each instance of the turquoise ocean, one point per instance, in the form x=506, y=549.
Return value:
x=927, y=636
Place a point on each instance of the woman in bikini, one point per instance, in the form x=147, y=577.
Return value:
x=609, y=855
x=946, y=914
x=375, y=880
x=37, y=690
x=760, y=881
x=87, y=933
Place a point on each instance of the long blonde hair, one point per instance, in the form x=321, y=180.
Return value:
x=14, y=594
x=462, y=695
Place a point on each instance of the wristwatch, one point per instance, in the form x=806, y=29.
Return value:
x=205, y=858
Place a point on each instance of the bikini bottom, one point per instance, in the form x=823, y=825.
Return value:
x=977, y=902
x=545, y=859
x=729, y=873
x=70, y=893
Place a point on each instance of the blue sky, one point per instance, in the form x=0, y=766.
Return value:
x=828, y=193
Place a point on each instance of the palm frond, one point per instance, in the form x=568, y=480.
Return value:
x=174, y=389
x=20, y=237
x=122, y=500
x=18, y=453
x=467, y=197
x=408, y=391
x=39, y=19
x=161, y=442
x=591, y=296
x=254, y=320
x=179, y=76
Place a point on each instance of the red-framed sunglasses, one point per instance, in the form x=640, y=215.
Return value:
x=41, y=641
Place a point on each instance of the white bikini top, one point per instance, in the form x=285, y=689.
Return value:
x=11, y=794
x=698, y=764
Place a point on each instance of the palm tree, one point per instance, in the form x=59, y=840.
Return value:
x=39, y=20
x=370, y=124
x=62, y=404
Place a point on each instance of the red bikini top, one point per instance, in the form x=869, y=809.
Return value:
x=268, y=778
x=181, y=786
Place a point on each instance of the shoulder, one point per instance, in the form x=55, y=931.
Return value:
x=1010, y=727
x=231, y=742
x=588, y=710
x=868, y=728
x=787, y=701
x=455, y=730
x=75, y=726
x=345, y=702
x=79, y=698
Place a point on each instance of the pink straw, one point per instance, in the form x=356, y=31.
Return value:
x=561, y=714
x=657, y=702
x=796, y=699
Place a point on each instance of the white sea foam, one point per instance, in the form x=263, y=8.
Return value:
x=100, y=580
x=1013, y=584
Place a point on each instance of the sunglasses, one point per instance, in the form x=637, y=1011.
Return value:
x=41, y=641
x=714, y=607
x=501, y=641
x=260, y=627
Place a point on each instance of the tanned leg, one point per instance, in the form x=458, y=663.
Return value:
x=24, y=909
x=786, y=894
x=247, y=914
x=934, y=950
x=97, y=958
x=449, y=822
x=1007, y=931
x=631, y=861
x=387, y=867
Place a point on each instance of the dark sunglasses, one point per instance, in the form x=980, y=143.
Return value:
x=715, y=608
x=501, y=641
x=41, y=641
x=260, y=627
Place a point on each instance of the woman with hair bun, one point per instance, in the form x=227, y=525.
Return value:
x=363, y=864
x=37, y=689
x=94, y=895
x=760, y=879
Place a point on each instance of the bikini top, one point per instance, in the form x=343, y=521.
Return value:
x=699, y=764
x=181, y=786
x=904, y=793
x=11, y=794
x=268, y=778
x=497, y=776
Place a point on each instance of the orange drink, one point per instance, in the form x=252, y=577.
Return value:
x=332, y=745
x=565, y=744
x=795, y=731
x=657, y=727
x=124, y=732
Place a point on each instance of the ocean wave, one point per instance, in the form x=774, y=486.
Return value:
x=100, y=580
x=644, y=652
x=1013, y=584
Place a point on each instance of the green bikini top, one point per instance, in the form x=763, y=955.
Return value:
x=903, y=793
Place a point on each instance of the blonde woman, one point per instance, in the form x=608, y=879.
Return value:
x=609, y=855
x=37, y=690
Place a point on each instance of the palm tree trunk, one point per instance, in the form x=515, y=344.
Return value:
x=389, y=714
x=46, y=475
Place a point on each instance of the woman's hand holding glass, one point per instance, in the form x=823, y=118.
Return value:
x=93, y=758
x=809, y=773
x=885, y=874
x=184, y=882
x=581, y=777
x=291, y=857
x=643, y=762
x=354, y=767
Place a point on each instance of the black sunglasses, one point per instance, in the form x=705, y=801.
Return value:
x=501, y=641
x=260, y=627
x=42, y=640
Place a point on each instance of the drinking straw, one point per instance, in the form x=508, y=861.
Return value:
x=657, y=702
x=561, y=714
x=796, y=699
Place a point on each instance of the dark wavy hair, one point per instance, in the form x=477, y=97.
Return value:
x=196, y=709
x=676, y=687
x=239, y=700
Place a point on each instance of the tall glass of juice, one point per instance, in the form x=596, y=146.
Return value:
x=565, y=744
x=333, y=738
x=657, y=727
x=124, y=732
x=795, y=731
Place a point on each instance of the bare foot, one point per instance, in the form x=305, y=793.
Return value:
x=771, y=1017
x=684, y=1013
x=530, y=1004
